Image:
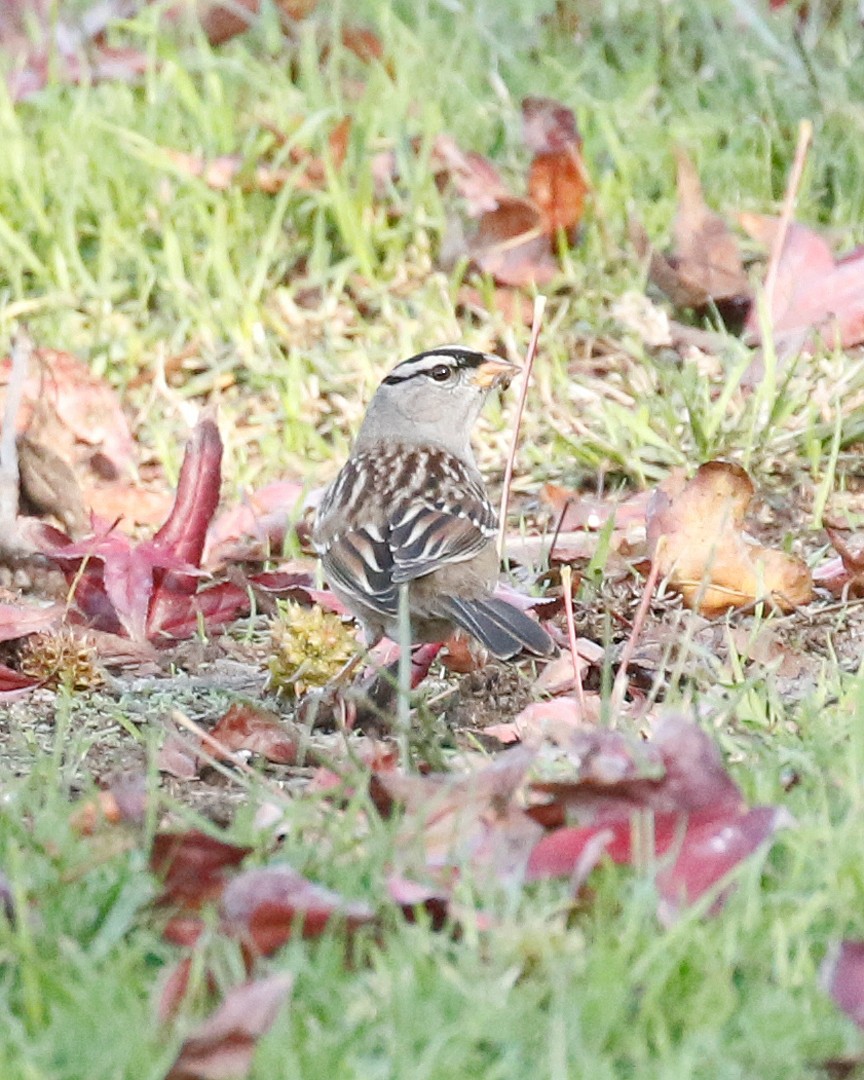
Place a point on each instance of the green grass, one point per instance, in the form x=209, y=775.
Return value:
x=110, y=252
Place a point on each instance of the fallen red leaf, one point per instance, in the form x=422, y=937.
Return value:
x=173, y=990
x=698, y=820
x=709, y=850
x=265, y=907
x=679, y=770
x=247, y=727
x=13, y=683
x=844, y=576
x=222, y=1046
x=183, y=930
x=192, y=866
x=185, y=530
x=149, y=590
x=111, y=576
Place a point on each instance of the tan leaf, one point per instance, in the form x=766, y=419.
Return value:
x=695, y=533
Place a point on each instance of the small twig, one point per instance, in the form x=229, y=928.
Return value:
x=805, y=133
x=403, y=711
x=537, y=322
x=566, y=583
x=22, y=350
x=189, y=724
x=558, y=526
x=619, y=688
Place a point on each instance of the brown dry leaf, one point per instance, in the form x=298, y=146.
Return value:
x=557, y=180
x=705, y=266
x=548, y=126
x=557, y=677
x=222, y=1046
x=695, y=533
x=363, y=42
x=177, y=758
x=514, y=307
x=515, y=241
x=556, y=183
x=512, y=245
x=123, y=803
x=709, y=257
x=133, y=506
x=573, y=510
x=220, y=173
x=66, y=406
x=314, y=175
x=553, y=721
x=223, y=21
x=255, y=527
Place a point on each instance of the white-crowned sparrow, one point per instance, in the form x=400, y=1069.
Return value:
x=409, y=506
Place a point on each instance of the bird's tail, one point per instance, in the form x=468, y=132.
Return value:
x=500, y=627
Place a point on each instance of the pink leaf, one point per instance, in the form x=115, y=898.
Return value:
x=815, y=294
x=20, y=620
x=710, y=850
x=255, y=528
x=843, y=978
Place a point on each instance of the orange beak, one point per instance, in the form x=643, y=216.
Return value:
x=494, y=372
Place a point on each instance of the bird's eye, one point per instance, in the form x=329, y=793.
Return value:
x=440, y=373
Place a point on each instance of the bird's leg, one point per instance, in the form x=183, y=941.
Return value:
x=332, y=705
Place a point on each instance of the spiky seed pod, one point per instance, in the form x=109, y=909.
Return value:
x=61, y=658
x=310, y=647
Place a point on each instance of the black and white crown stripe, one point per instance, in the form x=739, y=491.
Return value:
x=423, y=363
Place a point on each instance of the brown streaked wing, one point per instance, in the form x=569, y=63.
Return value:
x=361, y=565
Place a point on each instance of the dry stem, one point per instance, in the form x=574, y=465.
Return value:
x=537, y=322
x=805, y=133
